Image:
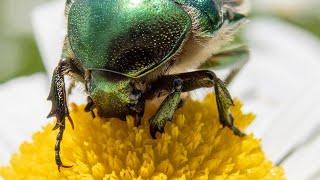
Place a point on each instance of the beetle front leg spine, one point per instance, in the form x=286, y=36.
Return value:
x=59, y=109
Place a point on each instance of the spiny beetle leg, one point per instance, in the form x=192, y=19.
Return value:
x=59, y=108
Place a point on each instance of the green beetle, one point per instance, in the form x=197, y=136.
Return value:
x=129, y=51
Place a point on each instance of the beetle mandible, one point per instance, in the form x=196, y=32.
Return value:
x=128, y=51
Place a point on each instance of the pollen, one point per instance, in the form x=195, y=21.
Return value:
x=194, y=146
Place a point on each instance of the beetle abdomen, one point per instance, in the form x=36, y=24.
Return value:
x=131, y=37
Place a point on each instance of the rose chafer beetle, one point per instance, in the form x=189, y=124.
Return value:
x=128, y=51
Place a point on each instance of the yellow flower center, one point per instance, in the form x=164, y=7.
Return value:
x=194, y=146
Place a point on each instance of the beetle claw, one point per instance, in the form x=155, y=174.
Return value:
x=224, y=102
x=90, y=106
x=154, y=129
x=71, y=121
x=63, y=166
x=234, y=129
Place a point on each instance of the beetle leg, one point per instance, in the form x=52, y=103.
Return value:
x=200, y=79
x=235, y=57
x=137, y=106
x=90, y=106
x=59, y=109
x=138, y=118
x=166, y=109
x=57, y=146
x=181, y=103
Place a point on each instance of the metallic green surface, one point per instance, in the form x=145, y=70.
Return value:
x=210, y=13
x=131, y=37
x=164, y=113
x=111, y=93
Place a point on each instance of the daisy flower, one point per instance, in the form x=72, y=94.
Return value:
x=278, y=85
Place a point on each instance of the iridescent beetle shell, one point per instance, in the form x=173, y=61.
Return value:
x=125, y=36
x=129, y=51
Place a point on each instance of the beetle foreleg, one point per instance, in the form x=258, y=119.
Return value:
x=167, y=108
x=57, y=147
x=59, y=108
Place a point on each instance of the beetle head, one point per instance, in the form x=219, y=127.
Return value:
x=112, y=94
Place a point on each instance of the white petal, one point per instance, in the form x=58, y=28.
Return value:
x=23, y=111
x=305, y=163
x=279, y=85
x=49, y=29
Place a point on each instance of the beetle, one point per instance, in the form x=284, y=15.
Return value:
x=128, y=51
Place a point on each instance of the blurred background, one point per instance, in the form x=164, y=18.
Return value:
x=280, y=83
x=19, y=53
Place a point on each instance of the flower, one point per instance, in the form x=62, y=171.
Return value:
x=194, y=146
x=267, y=85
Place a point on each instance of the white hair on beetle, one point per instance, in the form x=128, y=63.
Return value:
x=197, y=49
x=240, y=6
x=200, y=46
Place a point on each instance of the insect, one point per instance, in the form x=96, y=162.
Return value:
x=128, y=51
